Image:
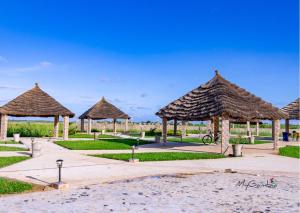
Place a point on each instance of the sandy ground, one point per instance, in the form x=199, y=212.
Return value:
x=217, y=192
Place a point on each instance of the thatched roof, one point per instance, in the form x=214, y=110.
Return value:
x=292, y=109
x=35, y=103
x=104, y=110
x=220, y=97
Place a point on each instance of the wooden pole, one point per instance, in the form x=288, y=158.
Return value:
x=257, y=128
x=82, y=125
x=4, y=121
x=287, y=125
x=273, y=129
x=225, y=134
x=114, y=126
x=126, y=125
x=175, y=127
x=66, y=128
x=276, y=133
x=89, y=127
x=56, y=126
x=248, y=128
x=216, y=126
x=164, y=129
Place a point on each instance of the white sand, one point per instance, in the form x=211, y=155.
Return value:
x=197, y=193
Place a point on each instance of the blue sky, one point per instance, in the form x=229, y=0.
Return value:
x=141, y=55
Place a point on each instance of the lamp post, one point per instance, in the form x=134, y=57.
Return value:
x=59, y=163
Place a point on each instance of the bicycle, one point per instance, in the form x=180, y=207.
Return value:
x=209, y=138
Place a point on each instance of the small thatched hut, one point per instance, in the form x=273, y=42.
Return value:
x=103, y=110
x=293, y=112
x=35, y=103
x=219, y=98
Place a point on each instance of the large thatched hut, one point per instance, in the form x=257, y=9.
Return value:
x=103, y=110
x=219, y=98
x=293, y=112
x=35, y=103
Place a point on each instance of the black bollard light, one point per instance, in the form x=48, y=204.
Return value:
x=59, y=163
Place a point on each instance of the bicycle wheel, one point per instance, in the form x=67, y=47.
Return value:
x=207, y=139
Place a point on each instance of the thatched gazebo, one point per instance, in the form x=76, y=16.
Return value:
x=103, y=110
x=219, y=98
x=35, y=103
x=293, y=112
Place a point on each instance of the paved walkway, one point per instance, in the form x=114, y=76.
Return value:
x=80, y=169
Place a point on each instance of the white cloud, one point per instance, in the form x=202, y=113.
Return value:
x=39, y=66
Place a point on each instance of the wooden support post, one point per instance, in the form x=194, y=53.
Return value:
x=273, y=130
x=66, y=128
x=175, y=127
x=82, y=125
x=216, y=126
x=287, y=125
x=257, y=128
x=126, y=125
x=183, y=129
x=276, y=133
x=56, y=126
x=248, y=128
x=225, y=134
x=164, y=129
x=3, y=128
x=89, y=126
x=115, y=125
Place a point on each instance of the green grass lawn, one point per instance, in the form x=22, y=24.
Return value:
x=199, y=140
x=81, y=135
x=8, y=142
x=290, y=151
x=10, y=148
x=6, y=161
x=103, y=144
x=162, y=156
x=8, y=186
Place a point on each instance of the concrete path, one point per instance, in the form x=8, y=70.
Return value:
x=80, y=169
